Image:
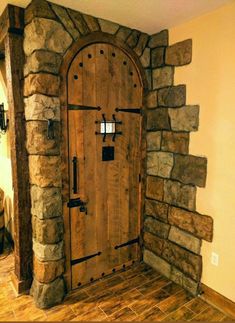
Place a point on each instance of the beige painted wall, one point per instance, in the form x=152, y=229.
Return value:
x=5, y=161
x=210, y=80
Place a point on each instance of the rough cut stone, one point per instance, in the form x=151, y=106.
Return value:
x=197, y=224
x=158, y=119
x=145, y=58
x=163, y=77
x=153, y=140
x=155, y=188
x=189, y=284
x=190, y=169
x=48, y=295
x=179, y=53
x=185, y=118
x=153, y=243
x=37, y=142
x=174, y=96
x=45, y=170
x=63, y=16
x=41, y=107
x=46, y=34
x=159, y=163
x=148, y=73
x=179, y=194
x=46, y=202
x=132, y=40
x=185, y=240
x=43, y=83
x=157, y=58
x=159, y=39
x=156, y=209
x=38, y=8
x=157, y=263
x=48, y=231
x=182, y=259
x=142, y=41
x=47, y=271
x=91, y=22
x=108, y=26
x=43, y=61
x=48, y=252
x=156, y=227
x=176, y=142
x=78, y=21
x=123, y=33
x=151, y=99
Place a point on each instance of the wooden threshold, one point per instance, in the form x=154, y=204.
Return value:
x=219, y=301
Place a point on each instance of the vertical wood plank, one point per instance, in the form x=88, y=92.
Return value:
x=19, y=159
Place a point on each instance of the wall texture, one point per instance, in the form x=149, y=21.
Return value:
x=210, y=81
x=5, y=160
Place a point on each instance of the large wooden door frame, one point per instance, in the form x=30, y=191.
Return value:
x=11, y=48
x=96, y=37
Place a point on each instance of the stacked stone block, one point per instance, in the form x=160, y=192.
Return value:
x=172, y=228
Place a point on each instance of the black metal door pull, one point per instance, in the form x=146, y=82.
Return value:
x=75, y=188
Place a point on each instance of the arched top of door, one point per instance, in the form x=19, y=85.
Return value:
x=99, y=37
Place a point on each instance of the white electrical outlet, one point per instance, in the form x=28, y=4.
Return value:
x=214, y=259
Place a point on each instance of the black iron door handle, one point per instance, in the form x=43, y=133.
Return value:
x=75, y=186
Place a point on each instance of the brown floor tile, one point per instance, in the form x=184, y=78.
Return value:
x=138, y=293
x=151, y=315
x=146, y=302
x=182, y=314
x=197, y=305
x=94, y=315
x=173, y=302
x=209, y=314
x=125, y=314
x=153, y=285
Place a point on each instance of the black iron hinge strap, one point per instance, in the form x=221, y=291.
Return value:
x=82, y=107
x=136, y=240
x=79, y=260
x=134, y=110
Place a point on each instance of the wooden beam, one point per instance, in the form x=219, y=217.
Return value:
x=11, y=21
x=14, y=60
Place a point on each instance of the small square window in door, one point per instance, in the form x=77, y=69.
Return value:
x=107, y=153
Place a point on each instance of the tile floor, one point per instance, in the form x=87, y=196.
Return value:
x=138, y=293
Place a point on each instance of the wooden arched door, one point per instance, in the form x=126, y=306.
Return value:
x=104, y=125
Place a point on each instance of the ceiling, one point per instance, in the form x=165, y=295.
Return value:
x=146, y=15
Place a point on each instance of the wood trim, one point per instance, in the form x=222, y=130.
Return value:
x=11, y=21
x=14, y=58
x=95, y=37
x=212, y=297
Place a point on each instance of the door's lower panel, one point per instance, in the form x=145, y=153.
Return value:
x=79, y=269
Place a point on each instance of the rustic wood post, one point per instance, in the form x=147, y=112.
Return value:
x=14, y=58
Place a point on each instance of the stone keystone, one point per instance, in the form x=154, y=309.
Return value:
x=190, y=169
x=179, y=53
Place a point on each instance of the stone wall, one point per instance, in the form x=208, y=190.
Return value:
x=172, y=229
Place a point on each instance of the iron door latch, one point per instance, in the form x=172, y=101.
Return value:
x=77, y=203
